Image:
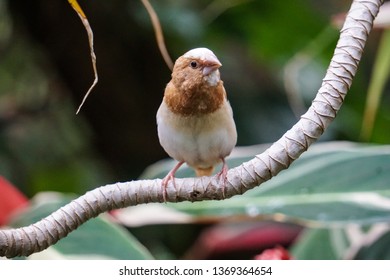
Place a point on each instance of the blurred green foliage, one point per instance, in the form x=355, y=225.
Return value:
x=274, y=55
x=43, y=146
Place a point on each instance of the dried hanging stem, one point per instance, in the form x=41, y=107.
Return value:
x=338, y=79
x=88, y=28
x=159, y=34
x=157, y=29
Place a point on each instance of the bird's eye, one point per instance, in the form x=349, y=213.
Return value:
x=194, y=64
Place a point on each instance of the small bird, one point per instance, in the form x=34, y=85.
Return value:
x=195, y=120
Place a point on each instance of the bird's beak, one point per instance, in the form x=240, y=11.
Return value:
x=210, y=65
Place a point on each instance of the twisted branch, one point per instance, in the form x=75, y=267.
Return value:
x=338, y=79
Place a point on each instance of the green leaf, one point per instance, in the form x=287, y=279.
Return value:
x=320, y=244
x=99, y=238
x=349, y=241
x=379, y=250
x=332, y=183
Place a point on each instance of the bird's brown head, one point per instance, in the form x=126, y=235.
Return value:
x=196, y=87
x=197, y=67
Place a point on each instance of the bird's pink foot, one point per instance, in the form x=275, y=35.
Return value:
x=170, y=176
x=222, y=176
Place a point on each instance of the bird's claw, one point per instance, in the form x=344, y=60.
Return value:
x=222, y=176
x=170, y=176
x=164, y=185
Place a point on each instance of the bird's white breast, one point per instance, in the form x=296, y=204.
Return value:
x=200, y=141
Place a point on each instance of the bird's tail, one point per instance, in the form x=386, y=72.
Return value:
x=204, y=171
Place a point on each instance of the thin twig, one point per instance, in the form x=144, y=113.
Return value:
x=159, y=33
x=88, y=28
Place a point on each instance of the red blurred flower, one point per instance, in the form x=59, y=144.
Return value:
x=11, y=199
x=277, y=253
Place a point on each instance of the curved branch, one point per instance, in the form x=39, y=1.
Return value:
x=338, y=79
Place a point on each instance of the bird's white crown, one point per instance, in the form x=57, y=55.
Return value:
x=202, y=54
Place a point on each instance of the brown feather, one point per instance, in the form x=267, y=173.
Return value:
x=187, y=94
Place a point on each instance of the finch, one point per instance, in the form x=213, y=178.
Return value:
x=195, y=120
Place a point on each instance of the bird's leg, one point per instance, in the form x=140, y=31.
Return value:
x=222, y=175
x=170, y=176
